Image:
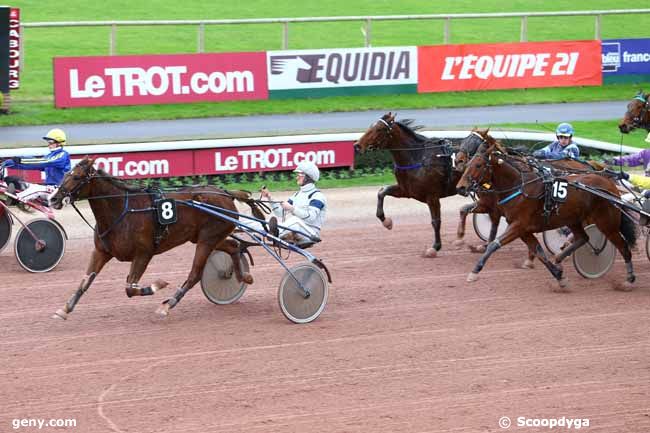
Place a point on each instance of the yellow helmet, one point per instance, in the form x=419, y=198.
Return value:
x=57, y=135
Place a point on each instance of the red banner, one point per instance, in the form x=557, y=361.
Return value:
x=14, y=48
x=159, y=79
x=231, y=160
x=444, y=68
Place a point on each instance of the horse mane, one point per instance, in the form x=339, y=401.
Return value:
x=411, y=131
x=119, y=183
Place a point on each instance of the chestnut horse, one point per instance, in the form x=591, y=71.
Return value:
x=520, y=189
x=127, y=229
x=486, y=202
x=637, y=114
x=423, y=168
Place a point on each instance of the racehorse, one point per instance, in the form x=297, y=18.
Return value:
x=487, y=203
x=422, y=167
x=127, y=229
x=637, y=114
x=520, y=189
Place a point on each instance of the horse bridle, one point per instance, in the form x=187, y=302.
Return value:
x=71, y=195
x=389, y=130
x=637, y=120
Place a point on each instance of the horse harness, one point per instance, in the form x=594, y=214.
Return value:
x=637, y=120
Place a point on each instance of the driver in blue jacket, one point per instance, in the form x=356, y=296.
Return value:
x=561, y=148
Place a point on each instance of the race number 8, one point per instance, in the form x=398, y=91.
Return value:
x=560, y=190
x=166, y=211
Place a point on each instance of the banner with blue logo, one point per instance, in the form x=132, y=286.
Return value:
x=626, y=60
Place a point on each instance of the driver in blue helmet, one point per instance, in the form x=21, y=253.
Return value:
x=562, y=147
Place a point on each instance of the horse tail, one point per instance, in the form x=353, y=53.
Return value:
x=628, y=230
x=245, y=197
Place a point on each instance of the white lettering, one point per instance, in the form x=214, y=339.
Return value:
x=92, y=88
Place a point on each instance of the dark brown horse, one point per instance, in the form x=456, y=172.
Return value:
x=127, y=229
x=487, y=203
x=423, y=169
x=520, y=189
x=637, y=114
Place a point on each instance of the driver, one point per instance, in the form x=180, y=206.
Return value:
x=561, y=148
x=55, y=165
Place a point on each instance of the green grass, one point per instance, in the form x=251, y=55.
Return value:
x=33, y=103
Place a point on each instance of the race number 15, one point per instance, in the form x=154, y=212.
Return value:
x=560, y=190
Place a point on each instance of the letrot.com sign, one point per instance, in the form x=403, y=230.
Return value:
x=313, y=73
x=159, y=79
x=508, y=66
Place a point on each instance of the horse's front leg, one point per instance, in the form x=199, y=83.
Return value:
x=462, y=222
x=393, y=191
x=536, y=250
x=231, y=247
x=138, y=266
x=97, y=262
x=434, y=211
x=201, y=254
x=513, y=232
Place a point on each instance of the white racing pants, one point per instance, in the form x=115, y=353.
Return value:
x=34, y=191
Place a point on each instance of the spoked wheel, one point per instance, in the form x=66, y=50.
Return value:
x=555, y=239
x=483, y=224
x=596, y=257
x=296, y=305
x=219, y=282
x=5, y=228
x=43, y=253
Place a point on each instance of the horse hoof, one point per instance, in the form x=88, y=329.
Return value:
x=625, y=287
x=430, y=253
x=459, y=242
x=563, y=285
x=477, y=248
x=247, y=278
x=60, y=314
x=388, y=223
x=163, y=310
x=472, y=277
x=528, y=264
x=159, y=284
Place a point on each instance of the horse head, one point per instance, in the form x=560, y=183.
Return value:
x=75, y=183
x=378, y=136
x=637, y=114
x=469, y=146
x=479, y=173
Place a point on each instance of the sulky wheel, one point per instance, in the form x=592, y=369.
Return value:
x=555, y=239
x=42, y=251
x=294, y=302
x=219, y=282
x=5, y=228
x=647, y=246
x=596, y=257
x=483, y=224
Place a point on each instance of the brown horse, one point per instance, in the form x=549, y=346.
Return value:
x=487, y=203
x=520, y=189
x=637, y=114
x=128, y=230
x=422, y=167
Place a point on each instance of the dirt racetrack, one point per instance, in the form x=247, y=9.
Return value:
x=404, y=344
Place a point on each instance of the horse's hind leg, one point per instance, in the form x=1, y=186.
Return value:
x=97, y=262
x=614, y=236
x=434, y=210
x=203, y=250
x=231, y=247
x=138, y=266
x=536, y=250
x=578, y=239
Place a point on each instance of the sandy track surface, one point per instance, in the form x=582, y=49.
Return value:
x=404, y=344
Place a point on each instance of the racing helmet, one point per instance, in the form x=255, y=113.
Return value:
x=309, y=168
x=57, y=135
x=564, y=129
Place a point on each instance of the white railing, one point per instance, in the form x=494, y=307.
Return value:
x=367, y=31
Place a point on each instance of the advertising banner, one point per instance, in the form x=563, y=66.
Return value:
x=626, y=60
x=340, y=71
x=444, y=68
x=4, y=49
x=158, y=79
x=14, y=48
x=172, y=163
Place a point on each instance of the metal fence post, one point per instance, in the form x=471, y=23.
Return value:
x=112, y=46
x=368, y=29
x=523, y=37
x=285, y=35
x=447, y=31
x=201, y=38
x=597, y=26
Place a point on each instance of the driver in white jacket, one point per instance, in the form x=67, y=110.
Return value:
x=305, y=211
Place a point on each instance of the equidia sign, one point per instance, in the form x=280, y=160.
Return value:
x=135, y=80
